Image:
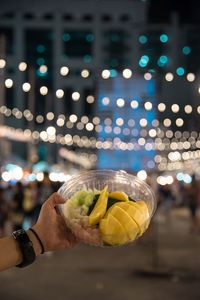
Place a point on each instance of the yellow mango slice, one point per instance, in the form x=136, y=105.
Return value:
x=133, y=211
x=119, y=196
x=141, y=205
x=112, y=231
x=126, y=221
x=99, y=209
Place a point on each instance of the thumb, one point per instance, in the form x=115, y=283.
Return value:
x=55, y=199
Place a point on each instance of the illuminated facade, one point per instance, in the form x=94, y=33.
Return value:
x=59, y=53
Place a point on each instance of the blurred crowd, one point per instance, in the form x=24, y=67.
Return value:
x=20, y=204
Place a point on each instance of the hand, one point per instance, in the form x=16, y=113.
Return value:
x=51, y=227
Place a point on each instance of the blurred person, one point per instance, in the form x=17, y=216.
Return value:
x=44, y=190
x=192, y=194
x=17, y=211
x=50, y=233
x=3, y=211
x=166, y=201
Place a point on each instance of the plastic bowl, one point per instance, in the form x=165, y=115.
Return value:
x=116, y=181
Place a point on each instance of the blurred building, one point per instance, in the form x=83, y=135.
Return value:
x=57, y=53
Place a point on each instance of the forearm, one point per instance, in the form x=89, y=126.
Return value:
x=10, y=253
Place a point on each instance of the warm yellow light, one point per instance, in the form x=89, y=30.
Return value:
x=76, y=96
x=59, y=93
x=43, y=90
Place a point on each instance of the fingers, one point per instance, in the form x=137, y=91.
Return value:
x=54, y=199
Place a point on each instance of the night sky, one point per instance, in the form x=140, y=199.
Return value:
x=160, y=10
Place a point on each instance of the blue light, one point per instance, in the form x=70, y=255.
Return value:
x=87, y=58
x=179, y=176
x=66, y=37
x=186, y=50
x=113, y=73
x=163, y=59
x=143, y=39
x=40, y=61
x=180, y=71
x=144, y=61
x=41, y=74
x=163, y=38
x=90, y=37
x=187, y=178
x=41, y=48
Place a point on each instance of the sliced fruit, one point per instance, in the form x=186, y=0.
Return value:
x=119, y=196
x=141, y=219
x=112, y=231
x=99, y=209
x=126, y=221
x=141, y=205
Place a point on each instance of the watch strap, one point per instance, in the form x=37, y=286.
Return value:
x=26, y=247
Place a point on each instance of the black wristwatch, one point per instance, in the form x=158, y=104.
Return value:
x=26, y=246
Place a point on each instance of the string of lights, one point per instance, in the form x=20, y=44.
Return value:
x=105, y=73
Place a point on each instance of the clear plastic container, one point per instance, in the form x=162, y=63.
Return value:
x=116, y=181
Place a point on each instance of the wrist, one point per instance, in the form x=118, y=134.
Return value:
x=36, y=244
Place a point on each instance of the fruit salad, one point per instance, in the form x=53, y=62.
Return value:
x=106, y=217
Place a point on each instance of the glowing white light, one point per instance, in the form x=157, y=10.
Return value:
x=64, y=71
x=142, y=175
x=40, y=176
x=50, y=116
x=85, y=73
x=22, y=66
x=141, y=141
x=167, y=122
x=60, y=122
x=148, y=105
x=175, y=108
x=26, y=87
x=120, y=102
x=43, y=69
x=75, y=96
x=17, y=173
x=105, y=101
x=2, y=63
x=190, y=77
x=198, y=109
x=8, y=83
x=179, y=122
x=43, y=90
x=90, y=99
x=143, y=122
x=152, y=132
x=134, y=104
x=59, y=93
x=73, y=118
x=147, y=76
x=51, y=130
x=105, y=74
x=127, y=73
x=89, y=126
x=188, y=109
x=161, y=107
x=169, y=76
x=119, y=121
x=44, y=135
x=6, y=176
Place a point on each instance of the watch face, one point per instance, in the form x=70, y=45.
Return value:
x=18, y=232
